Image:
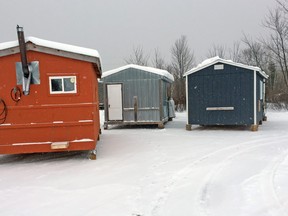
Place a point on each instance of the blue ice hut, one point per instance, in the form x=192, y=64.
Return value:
x=222, y=92
x=137, y=95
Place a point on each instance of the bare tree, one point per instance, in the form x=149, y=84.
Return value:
x=255, y=53
x=272, y=73
x=182, y=61
x=217, y=50
x=235, y=52
x=278, y=41
x=182, y=57
x=283, y=5
x=138, y=57
x=158, y=60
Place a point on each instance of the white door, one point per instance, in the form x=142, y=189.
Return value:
x=115, y=109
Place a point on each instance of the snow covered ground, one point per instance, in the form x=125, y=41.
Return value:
x=214, y=171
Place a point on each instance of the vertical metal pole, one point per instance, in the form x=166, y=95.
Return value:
x=22, y=46
x=135, y=108
x=25, y=67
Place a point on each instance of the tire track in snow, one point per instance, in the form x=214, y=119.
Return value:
x=267, y=180
x=147, y=182
x=169, y=186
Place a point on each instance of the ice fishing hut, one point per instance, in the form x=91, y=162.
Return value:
x=222, y=92
x=138, y=95
x=48, y=96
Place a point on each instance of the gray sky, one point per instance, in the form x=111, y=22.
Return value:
x=114, y=27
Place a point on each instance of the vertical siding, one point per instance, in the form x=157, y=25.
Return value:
x=145, y=86
x=231, y=87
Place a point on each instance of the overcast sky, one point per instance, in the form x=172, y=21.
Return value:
x=114, y=27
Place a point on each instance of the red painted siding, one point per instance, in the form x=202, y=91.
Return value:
x=41, y=118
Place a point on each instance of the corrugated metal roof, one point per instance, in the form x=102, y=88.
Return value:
x=217, y=59
x=160, y=72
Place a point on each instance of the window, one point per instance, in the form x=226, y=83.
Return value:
x=62, y=84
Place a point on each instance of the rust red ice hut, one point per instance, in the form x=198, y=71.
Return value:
x=48, y=96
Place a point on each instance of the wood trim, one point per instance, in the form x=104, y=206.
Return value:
x=255, y=98
x=219, y=108
x=187, y=102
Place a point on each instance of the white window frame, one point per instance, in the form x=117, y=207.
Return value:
x=62, y=78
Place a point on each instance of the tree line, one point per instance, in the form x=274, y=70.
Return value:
x=270, y=53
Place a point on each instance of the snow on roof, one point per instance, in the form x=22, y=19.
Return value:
x=144, y=68
x=7, y=45
x=217, y=59
x=53, y=45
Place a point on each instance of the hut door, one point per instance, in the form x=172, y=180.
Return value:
x=115, y=109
